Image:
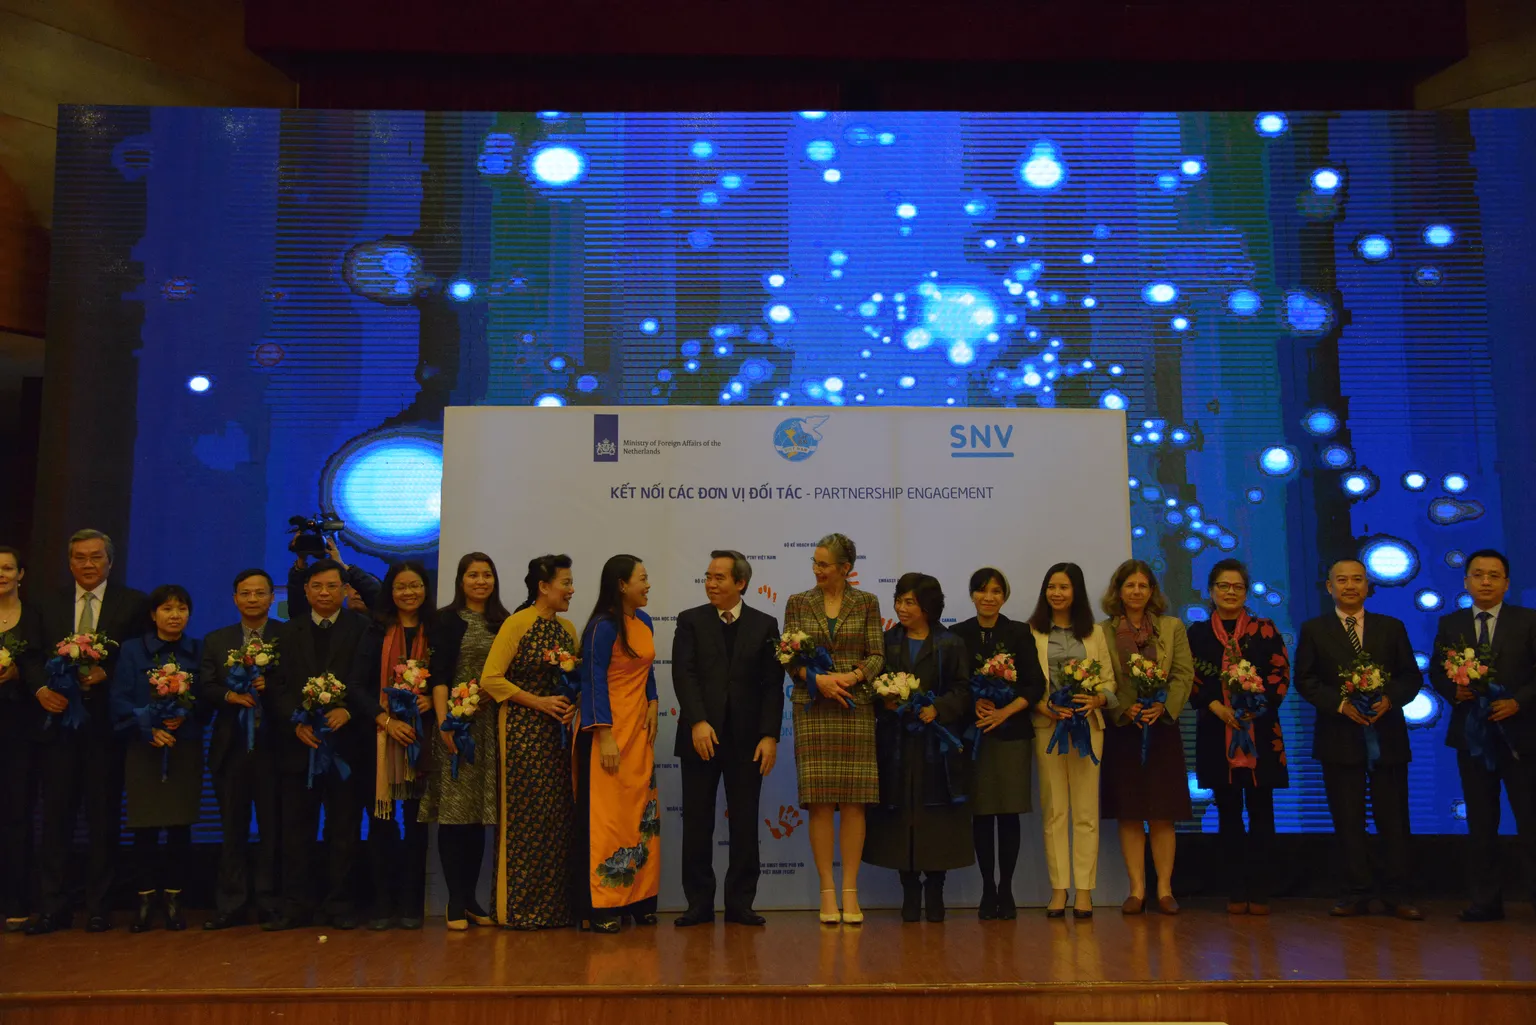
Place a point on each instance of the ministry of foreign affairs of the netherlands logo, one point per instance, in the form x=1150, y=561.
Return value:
x=796, y=438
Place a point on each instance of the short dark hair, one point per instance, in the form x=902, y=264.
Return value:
x=390, y=612
x=320, y=566
x=15, y=553
x=984, y=576
x=246, y=574
x=1228, y=566
x=1328, y=574
x=1082, y=609
x=928, y=592
x=741, y=569
x=94, y=535
x=165, y=592
x=1481, y=553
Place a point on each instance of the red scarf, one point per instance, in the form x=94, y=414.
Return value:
x=1238, y=760
x=391, y=770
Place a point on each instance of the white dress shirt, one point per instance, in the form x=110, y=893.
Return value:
x=97, y=594
x=735, y=612
x=1359, y=618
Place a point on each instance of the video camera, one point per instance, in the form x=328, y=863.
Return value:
x=310, y=534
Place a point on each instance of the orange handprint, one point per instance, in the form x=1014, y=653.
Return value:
x=889, y=623
x=769, y=593
x=789, y=821
x=853, y=577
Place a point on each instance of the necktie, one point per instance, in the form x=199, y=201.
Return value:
x=87, y=613
x=324, y=624
x=727, y=616
x=1354, y=638
x=1482, y=628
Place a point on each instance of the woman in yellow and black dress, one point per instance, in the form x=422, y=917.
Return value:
x=533, y=875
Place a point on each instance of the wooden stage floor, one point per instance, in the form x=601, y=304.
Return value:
x=1203, y=965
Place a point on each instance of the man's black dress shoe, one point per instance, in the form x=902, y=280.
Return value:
x=1479, y=914
x=1407, y=912
x=224, y=920
x=42, y=925
x=689, y=918
x=99, y=923
x=1351, y=907
x=748, y=917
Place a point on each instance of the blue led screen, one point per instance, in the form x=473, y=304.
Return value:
x=1317, y=324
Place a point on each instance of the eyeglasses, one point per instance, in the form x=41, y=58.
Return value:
x=80, y=558
x=251, y=595
x=323, y=588
x=410, y=587
x=1230, y=588
x=818, y=564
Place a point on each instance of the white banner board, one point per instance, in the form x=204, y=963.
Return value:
x=940, y=491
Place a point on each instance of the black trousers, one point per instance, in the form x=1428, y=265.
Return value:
x=1247, y=854
x=82, y=771
x=18, y=803
x=397, y=854
x=461, y=851
x=247, y=780
x=1481, y=789
x=743, y=787
x=1348, y=787
x=161, y=867
x=300, y=810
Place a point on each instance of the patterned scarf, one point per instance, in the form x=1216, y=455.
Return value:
x=392, y=770
x=1239, y=760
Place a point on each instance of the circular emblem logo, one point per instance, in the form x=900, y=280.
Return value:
x=796, y=438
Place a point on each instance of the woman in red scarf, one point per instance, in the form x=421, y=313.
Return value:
x=1237, y=778
x=404, y=640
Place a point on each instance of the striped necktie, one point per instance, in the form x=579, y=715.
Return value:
x=1354, y=636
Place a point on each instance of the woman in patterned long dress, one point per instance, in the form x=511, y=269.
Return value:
x=533, y=873
x=463, y=807
x=617, y=859
x=834, y=717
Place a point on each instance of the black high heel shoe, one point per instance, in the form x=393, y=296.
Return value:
x=986, y=911
x=1007, y=910
x=607, y=925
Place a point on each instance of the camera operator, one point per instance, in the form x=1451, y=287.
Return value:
x=366, y=585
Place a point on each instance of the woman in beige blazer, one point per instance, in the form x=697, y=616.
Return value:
x=1063, y=629
x=1154, y=793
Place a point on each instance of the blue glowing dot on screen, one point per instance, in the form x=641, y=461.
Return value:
x=1337, y=456
x=558, y=165
x=1192, y=167
x=1031, y=379
x=1326, y=180
x=1459, y=810
x=1277, y=461
x=199, y=383
x=1115, y=370
x=907, y=381
x=709, y=197
x=837, y=257
x=1244, y=302
x=389, y=490
x=1413, y=480
x=831, y=176
x=557, y=363
x=814, y=115
x=833, y=384
x=730, y=182
x=975, y=207
x=1374, y=248
x=1259, y=587
x=1455, y=483
x=961, y=354
x=1439, y=235
x=650, y=325
x=690, y=348
x=1167, y=182
x=549, y=399
x=1421, y=660
x=549, y=115
x=692, y=366
x=1357, y=484
x=1138, y=531
x=1112, y=399
x=1307, y=314
x=916, y=339
x=1160, y=293
x=1464, y=600
x=1428, y=599
x=820, y=150
x=703, y=149
x=588, y=383
x=868, y=308
x=775, y=280
x=701, y=238
x=1321, y=422
x=1270, y=124
x=1043, y=170
x=1427, y=276
x=779, y=313
x=1088, y=258
x=906, y=211
x=1255, y=495
x=1421, y=710
x=1179, y=323
x=462, y=291
x=1089, y=302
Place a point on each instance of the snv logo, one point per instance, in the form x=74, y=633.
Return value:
x=980, y=441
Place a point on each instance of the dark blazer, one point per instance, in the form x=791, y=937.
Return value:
x=124, y=615
x=139, y=656
x=1014, y=638
x=1514, y=669
x=444, y=635
x=296, y=640
x=17, y=697
x=1264, y=646
x=742, y=696
x=211, y=682
x=943, y=666
x=1323, y=654
x=370, y=587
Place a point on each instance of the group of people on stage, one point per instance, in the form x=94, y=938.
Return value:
x=915, y=746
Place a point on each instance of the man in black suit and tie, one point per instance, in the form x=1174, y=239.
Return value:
x=83, y=768
x=1329, y=646
x=324, y=639
x=243, y=775
x=730, y=689
x=1505, y=638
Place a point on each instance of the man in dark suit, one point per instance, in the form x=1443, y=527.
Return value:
x=1505, y=637
x=243, y=775
x=323, y=640
x=83, y=768
x=1329, y=646
x=730, y=689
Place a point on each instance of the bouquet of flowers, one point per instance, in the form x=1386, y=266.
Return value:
x=560, y=659
x=11, y=646
x=895, y=688
x=409, y=683
x=991, y=682
x=563, y=665
x=171, y=700
x=794, y=644
x=1244, y=690
x=1468, y=667
x=1364, y=684
x=319, y=696
x=1151, y=689
x=463, y=703
x=242, y=666
x=1076, y=676
x=73, y=654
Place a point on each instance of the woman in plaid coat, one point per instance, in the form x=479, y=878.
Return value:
x=834, y=716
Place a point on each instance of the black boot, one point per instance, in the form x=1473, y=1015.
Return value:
x=1007, y=911
x=911, y=898
x=175, y=921
x=933, y=896
x=987, y=909
x=142, y=921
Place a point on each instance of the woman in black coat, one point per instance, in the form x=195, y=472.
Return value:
x=1239, y=781
x=22, y=636
x=405, y=627
x=922, y=825
x=1001, y=791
